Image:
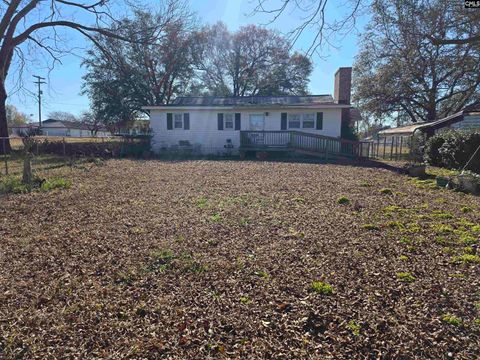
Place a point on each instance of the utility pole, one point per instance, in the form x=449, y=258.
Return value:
x=39, y=82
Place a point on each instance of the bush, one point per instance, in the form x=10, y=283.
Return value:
x=453, y=149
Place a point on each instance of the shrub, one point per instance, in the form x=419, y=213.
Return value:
x=453, y=149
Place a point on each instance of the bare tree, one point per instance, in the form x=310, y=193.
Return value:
x=314, y=16
x=62, y=116
x=36, y=23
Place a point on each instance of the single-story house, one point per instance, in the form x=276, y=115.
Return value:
x=467, y=119
x=63, y=128
x=214, y=125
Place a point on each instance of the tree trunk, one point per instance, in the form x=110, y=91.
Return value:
x=27, y=169
x=3, y=122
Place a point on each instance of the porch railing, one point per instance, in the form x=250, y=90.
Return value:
x=297, y=140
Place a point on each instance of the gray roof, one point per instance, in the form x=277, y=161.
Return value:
x=252, y=100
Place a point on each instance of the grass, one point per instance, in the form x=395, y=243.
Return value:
x=320, y=287
x=466, y=259
x=370, y=227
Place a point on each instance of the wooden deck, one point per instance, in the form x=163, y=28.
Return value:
x=301, y=141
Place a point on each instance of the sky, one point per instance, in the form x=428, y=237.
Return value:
x=63, y=89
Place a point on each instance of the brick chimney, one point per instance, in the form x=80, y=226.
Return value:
x=343, y=85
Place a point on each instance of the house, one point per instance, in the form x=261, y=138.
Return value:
x=62, y=128
x=467, y=119
x=224, y=125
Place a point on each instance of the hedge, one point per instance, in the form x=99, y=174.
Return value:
x=452, y=149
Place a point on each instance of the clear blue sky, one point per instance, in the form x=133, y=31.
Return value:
x=64, y=83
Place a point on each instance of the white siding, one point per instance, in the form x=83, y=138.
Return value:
x=207, y=139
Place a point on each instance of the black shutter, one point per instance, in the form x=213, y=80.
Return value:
x=319, y=121
x=186, y=121
x=284, y=121
x=238, y=121
x=169, y=121
x=220, y=121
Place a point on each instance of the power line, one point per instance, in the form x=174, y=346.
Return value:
x=39, y=82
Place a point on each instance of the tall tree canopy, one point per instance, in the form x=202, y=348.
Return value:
x=30, y=24
x=251, y=61
x=401, y=74
x=15, y=117
x=122, y=77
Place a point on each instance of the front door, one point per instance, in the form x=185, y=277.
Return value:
x=257, y=122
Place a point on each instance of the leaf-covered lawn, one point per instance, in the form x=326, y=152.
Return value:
x=199, y=259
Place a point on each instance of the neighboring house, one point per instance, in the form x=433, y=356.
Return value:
x=214, y=125
x=63, y=128
x=467, y=119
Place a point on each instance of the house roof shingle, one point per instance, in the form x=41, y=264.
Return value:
x=246, y=101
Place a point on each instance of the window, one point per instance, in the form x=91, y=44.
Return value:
x=308, y=121
x=228, y=121
x=178, y=121
x=301, y=121
x=294, y=121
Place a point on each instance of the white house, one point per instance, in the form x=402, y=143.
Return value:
x=213, y=125
x=62, y=128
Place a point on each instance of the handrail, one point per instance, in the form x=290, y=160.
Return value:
x=299, y=140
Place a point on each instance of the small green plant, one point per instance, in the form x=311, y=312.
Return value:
x=343, y=200
x=215, y=218
x=320, y=287
x=466, y=209
x=442, y=229
x=403, y=257
x=442, y=215
x=161, y=260
x=58, y=183
x=405, y=277
x=296, y=233
x=370, y=227
x=466, y=259
x=262, y=274
x=299, y=199
x=386, y=191
x=244, y=221
x=406, y=240
x=365, y=184
x=354, y=327
x=468, y=239
x=245, y=299
x=451, y=320
x=476, y=228
x=14, y=185
x=202, y=202
x=395, y=225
